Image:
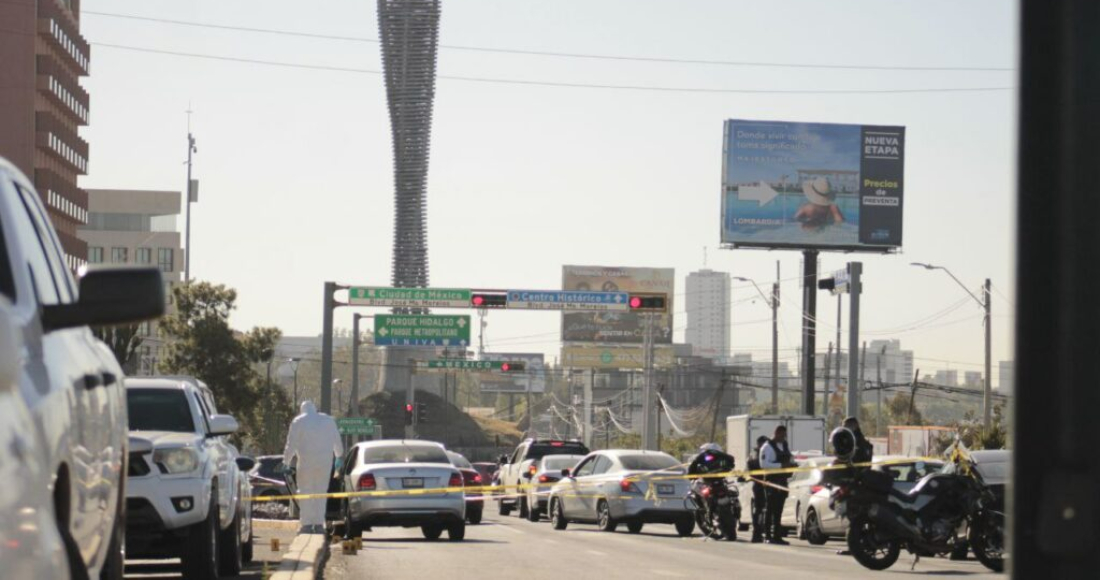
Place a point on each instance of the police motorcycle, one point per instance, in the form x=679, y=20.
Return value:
x=716, y=504
x=926, y=521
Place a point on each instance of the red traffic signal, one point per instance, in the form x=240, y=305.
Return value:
x=648, y=302
x=409, y=414
x=512, y=367
x=484, y=300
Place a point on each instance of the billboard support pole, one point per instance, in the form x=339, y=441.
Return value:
x=775, y=341
x=855, y=288
x=809, y=328
x=648, y=439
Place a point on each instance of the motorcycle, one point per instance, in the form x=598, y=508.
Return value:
x=717, y=506
x=926, y=521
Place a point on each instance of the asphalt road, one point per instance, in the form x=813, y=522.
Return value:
x=264, y=558
x=508, y=547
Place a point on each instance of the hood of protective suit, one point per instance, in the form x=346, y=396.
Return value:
x=308, y=408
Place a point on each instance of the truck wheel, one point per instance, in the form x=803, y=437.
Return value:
x=684, y=528
x=473, y=514
x=636, y=527
x=523, y=507
x=503, y=509
x=200, y=549
x=230, y=554
x=533, y=512
x=432, y=531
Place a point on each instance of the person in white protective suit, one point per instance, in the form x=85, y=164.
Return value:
x=314, y=440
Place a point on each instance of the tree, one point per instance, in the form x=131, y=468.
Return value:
x=203, y=345
x=123, y=342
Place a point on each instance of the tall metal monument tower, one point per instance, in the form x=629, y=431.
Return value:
x=409, y=30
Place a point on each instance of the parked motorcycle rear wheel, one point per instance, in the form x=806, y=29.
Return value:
x=868, y=550
x=987, y=540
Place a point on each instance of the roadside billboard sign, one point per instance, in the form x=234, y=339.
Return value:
x=533, y=376
x=606, y=356
x=812, y=185
x=617, y=327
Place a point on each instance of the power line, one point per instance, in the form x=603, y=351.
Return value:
x=558, y=54
x=521, y=82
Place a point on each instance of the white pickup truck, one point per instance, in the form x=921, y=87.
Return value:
x=188, y=492
x=516, y=470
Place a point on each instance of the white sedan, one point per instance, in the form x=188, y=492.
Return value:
x=625, y=486
x=409, y=469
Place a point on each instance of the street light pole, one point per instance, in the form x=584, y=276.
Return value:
x=986, y=304
x=295, y=360
x=355, y=363
x=773, y=302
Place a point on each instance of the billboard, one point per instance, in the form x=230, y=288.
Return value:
x=812, y=185
x=617, y=327
x=533, y=377
x=595, y=356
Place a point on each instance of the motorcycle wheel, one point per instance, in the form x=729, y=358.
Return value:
x=868, y=550
x=728, y=525
x=706, y=526
x=987, y=540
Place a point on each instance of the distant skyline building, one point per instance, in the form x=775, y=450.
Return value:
x=708, y=314
x=972, y=379
x=948, y=377
x=1006, y=383
x=137, y=227
x=42, y=57
x=896, y=364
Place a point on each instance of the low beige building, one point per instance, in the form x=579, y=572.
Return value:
x=127, y=226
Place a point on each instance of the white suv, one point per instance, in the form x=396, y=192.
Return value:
x=188, y=493
x=70, y=382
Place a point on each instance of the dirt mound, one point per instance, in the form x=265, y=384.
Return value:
x=445, y=423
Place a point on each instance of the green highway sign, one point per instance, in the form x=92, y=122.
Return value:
x=355, y=426
x=421, y=330
x=466, y=365
x=409, y=297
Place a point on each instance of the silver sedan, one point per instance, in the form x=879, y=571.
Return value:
x=411, y=469
x=625, y=486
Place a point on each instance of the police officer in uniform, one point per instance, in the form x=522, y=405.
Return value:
x=759, y=494
x=776, y=454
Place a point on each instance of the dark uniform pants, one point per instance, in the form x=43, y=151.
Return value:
x=759, y=508
x=774, y=513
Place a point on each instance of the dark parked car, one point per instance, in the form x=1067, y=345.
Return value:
x=471, y=477
x=267, y=478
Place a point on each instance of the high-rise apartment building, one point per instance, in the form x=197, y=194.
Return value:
x=708, y=314
x=42, y=57
x=949, y=378
x=137, y=227
x=972, y=380
x=896, y=364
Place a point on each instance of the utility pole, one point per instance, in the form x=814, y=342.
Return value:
x=271, y=403
x=775, y=341
x=648, y=439
x=588, y=406
x=825, y=394
x=410, y=399
x=809, y=329
x=482, y=323
x=855, y=288
x=879, y=430
x=836, y=361
x=988, y=395
x=355, y=363
x=296, y=361
x=326, y=346
x=191, y=148
x=660, y=411
x=717, y=406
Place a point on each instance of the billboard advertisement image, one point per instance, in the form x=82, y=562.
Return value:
x=812, y=185
x=617, y=327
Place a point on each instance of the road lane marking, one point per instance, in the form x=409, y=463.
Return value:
x=597, y=553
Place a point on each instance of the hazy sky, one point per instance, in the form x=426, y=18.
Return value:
x=296, y=165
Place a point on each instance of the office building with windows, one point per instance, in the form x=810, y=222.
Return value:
x=42, y=57
x=708, y=314
x=140, y=228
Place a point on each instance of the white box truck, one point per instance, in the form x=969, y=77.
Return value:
x=805, y=434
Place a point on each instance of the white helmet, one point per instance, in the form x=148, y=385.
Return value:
x=710, y=447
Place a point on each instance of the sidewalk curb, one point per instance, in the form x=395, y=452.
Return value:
x=305, y=558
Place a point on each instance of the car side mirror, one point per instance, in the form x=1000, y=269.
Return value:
x=566, y=473
x=223, y=425
x=502, y=460
x=10, y=344
x=110, y=296
x=245, y=464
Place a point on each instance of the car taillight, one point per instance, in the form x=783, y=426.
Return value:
x=816, y=488
x=477, y=478
x=366, y=482
x=627, y=486
x=456, y=480
x=547, y=479
x=706, y=491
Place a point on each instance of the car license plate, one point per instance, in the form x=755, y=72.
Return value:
x=412, y=482
x=665, y=489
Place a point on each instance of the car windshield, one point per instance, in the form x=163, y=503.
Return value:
x=993, y=473
x=405, y=454
x=648, y=462
x=159, y=410
x=269, y=467
x=540, y=450
x=911, y=472
x=460, y=461
x=553, y=463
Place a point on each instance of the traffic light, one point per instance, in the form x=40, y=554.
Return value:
x=648, y=302
x=409, y=414
x=826, y=284
x=513, y=367
x=421, y=412
x=488, y=300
